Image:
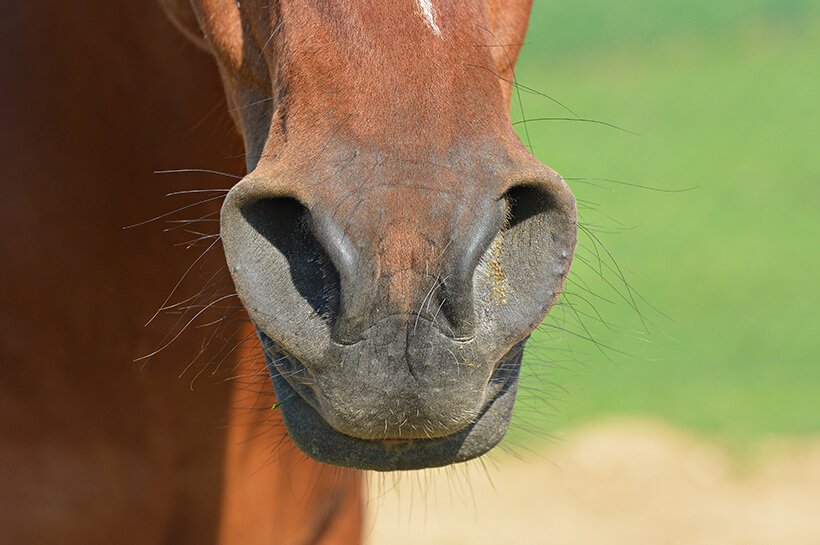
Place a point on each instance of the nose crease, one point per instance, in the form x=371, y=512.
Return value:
x=405, y=255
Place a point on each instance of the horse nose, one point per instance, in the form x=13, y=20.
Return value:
x=286, y=245
x=508, y=257
x=436, y=282
x=295, y=266
x=355, y=273
x=493, y=262
x=477, y=230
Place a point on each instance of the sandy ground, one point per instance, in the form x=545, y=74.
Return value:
x=618, y=482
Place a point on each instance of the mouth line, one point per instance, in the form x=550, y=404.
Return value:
x=283, y=365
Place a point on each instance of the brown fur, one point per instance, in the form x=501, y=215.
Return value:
x=95, y=449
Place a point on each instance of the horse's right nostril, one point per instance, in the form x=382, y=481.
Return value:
x=355, y=279
x=291, y=256
x=285, y=224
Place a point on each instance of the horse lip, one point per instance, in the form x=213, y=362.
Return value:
x=270, y=347
x=304, y=391
x=415, y=317
x=319, y=440
x=316, y=438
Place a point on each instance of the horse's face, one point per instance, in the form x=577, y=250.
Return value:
x=394, y=242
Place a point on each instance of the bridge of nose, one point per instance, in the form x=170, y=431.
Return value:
x=378, y=72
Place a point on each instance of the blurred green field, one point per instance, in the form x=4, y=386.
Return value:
x=725, y=96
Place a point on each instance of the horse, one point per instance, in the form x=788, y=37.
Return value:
x=392, y=242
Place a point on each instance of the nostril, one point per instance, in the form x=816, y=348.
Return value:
x=287, y=225
x=525, y=202
x=524, y=269
x=519, y=219
x=355, y=293
x=457, y=294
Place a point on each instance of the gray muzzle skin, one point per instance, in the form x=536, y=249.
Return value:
x=362, y=382
x=319, y=440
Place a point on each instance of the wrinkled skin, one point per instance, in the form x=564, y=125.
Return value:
x=393, y=242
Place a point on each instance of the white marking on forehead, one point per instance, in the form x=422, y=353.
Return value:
x=429, y=14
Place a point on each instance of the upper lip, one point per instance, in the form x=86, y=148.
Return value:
x=303, y=389
x=414, y=317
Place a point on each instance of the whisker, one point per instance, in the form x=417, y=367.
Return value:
x=189, y=191
x=197, y=315
x=171, y=213
x=578, y=120
x=198, y=171
x=519, y=86
x=629, y=184
x=179, y=282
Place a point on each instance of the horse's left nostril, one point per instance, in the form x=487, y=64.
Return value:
x=510, y=257
x=457, y=297
x=524, y=269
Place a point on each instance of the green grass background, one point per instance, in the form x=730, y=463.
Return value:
x=725, y=96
